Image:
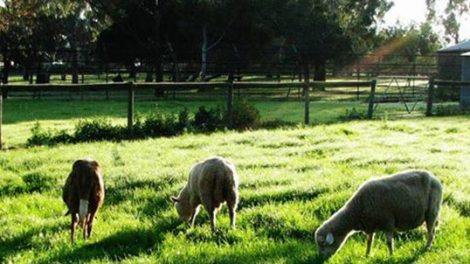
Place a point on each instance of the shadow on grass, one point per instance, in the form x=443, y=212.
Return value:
x=24, y=241
x=118, y=246
x=279, y=197
x=290, y=252
x=408, y=259
x=122, y=190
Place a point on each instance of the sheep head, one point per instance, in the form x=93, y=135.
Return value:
x=328, y=242
x=183, y=208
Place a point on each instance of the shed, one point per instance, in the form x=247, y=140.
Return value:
x=450, y=61
x=465, y=89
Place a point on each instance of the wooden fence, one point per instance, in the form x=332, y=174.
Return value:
x=431, y=88
x=131, y=88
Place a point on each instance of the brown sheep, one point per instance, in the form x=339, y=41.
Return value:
x=211, y=183
x=396, y=203
x=83, y=193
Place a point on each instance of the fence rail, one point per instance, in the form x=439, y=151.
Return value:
x=131, y=88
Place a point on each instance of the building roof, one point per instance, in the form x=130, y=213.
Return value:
x=461, y=47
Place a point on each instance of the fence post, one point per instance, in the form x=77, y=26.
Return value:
x=430, y=97
x=307, y=95
x=370, y=111
x=230, y=103
x=1, y=116
x=130, y=108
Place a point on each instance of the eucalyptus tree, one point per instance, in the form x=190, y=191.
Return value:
x=28, y=30
x=319, y=31
x=137, y=31
x=450, y=18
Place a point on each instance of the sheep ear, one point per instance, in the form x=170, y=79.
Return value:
x=174, y=199
x=330, y=239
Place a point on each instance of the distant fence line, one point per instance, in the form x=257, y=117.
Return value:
x=360, y=66
x=131, y=88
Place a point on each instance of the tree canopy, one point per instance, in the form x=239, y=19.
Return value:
x=201, y=36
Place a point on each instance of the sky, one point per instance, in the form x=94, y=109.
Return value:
x=414, y=11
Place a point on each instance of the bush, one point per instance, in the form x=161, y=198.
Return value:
x=159, y=125
x=353, y=114
x=245, y=116
x=184, y=122
x=39, y=136
x=98, y=129
x=208, y=120
x=448, y=110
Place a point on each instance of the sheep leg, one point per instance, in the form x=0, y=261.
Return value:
x=73, y=226
x=232, y=213
x=232, y=207
x=431, y=219
x=212, y=216
x=389, y=235
x=370, y=241
x=91, y=218
x=85, y=226
x=211, y=209
x=431, y=227
x=193, y=216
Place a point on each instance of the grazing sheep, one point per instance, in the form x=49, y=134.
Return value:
x=211, y=182
x=396, y=203
x=83, y=193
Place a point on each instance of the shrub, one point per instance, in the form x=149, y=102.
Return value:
x=39, y=136
x=448, y=110
x=98, y=129
x=159, y=125
x=245, y=116
x=353, y=114
x=208, y=120
x=184, y=122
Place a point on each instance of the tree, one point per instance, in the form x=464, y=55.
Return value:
x=451, y=17
x=23, y=28
x=320, y=31
x=408, y=45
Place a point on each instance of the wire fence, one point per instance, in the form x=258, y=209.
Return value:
x=88, y=68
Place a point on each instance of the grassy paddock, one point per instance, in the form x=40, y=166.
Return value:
x=291, y=181
x=20, y=115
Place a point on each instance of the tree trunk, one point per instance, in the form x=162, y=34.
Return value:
x=204, y=51
x=6, y=68
x=320, y=70
x=159, y=70
x=176, y=70
x=149, y=76
x=320, y=73
x=26, y=72
x=74, y=65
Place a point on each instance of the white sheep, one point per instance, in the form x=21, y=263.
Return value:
x=211, y=183
x=395, y=203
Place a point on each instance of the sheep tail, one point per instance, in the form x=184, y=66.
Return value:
x=83, y=210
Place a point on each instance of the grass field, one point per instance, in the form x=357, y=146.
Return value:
x=291, y=180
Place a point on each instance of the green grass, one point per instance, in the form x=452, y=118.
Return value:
x=20, y=115
x=291, y=180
